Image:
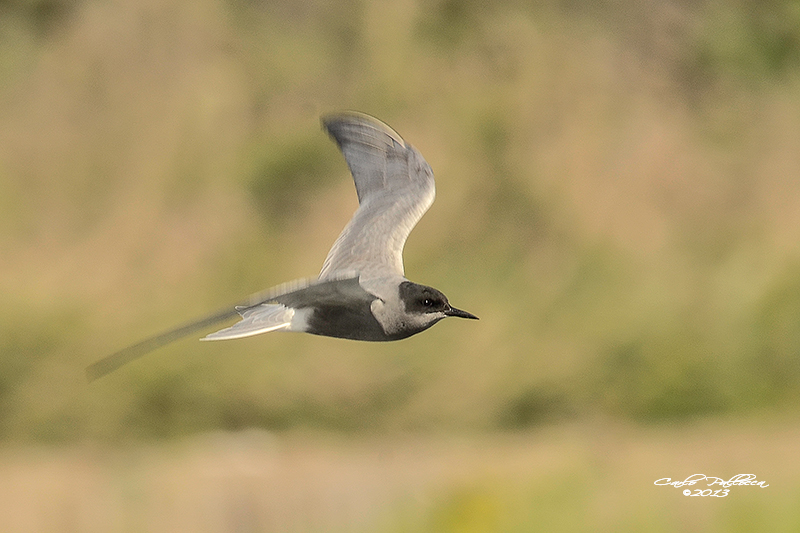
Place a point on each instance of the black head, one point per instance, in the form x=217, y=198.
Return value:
x=423, y=300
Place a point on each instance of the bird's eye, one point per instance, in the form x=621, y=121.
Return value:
x=427, y=302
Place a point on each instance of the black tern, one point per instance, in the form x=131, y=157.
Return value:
x=362, y=292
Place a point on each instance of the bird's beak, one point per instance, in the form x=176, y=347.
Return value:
x=459, y=313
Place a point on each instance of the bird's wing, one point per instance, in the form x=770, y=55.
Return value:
x=255, y=320
x=277, y=314
x=395, y=187
x=112, y=362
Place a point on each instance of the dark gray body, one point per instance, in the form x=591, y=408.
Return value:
x=339, y=308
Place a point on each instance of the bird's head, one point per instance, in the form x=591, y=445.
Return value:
x=425, y=305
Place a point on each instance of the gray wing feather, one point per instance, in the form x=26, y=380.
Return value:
x=256, y=320
x=277, y=313
x=114, y=361
x=395, y=187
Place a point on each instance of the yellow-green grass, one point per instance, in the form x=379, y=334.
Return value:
x=596, y=477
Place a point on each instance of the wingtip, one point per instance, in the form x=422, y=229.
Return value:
x=334, y=124
x=92, y=373
x=104, y=366
x=346, y=115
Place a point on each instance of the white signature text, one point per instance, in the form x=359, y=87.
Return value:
x=738, y=480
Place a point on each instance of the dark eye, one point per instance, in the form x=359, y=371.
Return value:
x=427, y=302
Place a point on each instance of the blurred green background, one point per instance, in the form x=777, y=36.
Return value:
x=618, y=201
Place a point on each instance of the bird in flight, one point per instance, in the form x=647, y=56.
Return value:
x=362, y=292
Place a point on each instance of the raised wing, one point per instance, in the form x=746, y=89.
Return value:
x=395, y=187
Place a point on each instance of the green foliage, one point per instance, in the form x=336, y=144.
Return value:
x=772, y=359
x=748, y=40
x=288, y=174
x=41, y=16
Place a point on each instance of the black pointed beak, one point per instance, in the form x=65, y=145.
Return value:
x=452, y=311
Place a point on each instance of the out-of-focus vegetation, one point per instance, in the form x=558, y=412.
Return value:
x=564, y=478
x=618, y=202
